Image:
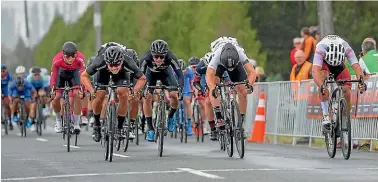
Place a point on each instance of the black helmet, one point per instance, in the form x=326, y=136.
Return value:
x=193, y=61
x=181, y=64
x=114, y=55
x=159, y=47
x=229, y=57
x=35, y=70
x=69, y=48
x=19, y=81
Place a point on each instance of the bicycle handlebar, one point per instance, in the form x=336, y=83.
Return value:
x=163, y=87
x=232, y=84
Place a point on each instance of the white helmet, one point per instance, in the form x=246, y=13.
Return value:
x=44, y=71
x=30, y=71
x=222, y=41
x=20, y=69
x=335, y=51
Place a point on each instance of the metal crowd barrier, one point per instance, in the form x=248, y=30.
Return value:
x=287, y=112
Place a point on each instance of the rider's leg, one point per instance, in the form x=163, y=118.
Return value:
x=202, y=103
x=123, y=97
x=76, y=107
x=32, y=114
x=324, y=101
x=57, y=108
x=134, y=112
x=188, y=109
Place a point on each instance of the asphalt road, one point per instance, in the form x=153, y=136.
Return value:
x=45, y=159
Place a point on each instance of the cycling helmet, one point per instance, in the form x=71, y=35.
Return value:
x=159, y=47
x=20, y=69
x=44, y=71
x=19, y=81
x=114, y=55
x=35, y=70
x=193, y=61
x=69, y=48
x=229, y=56
x=181, y=64
x=221, y=41
x=335, y=51
x=3, y=67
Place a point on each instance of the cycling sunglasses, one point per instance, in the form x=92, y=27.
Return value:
x=114, y=65
x=157, y=56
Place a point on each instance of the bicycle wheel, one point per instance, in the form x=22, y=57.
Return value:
x=185, y=124
x=196, y=120
x=105, y=132
x=113, y=110
x=345, y=127
x=67, y=121
x=238, y=132
x=4, y=118
x=161, y=127
x=181, y=125
x=229, y=141
x=39, y=119
x=330, y=136
x=127, y=130
x=136, y=128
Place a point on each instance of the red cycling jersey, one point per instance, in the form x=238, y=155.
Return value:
x=60, y=64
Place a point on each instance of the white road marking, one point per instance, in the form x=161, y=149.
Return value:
x=18, y=134
x=181, y=170
x=119, y=155
x=72, y=146
x=200, y=173
x=41, y=139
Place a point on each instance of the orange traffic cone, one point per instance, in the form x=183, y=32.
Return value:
x=258, y=132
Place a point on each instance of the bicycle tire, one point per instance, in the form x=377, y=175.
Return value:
x=67, y=121
x=345, y=127
x=39, y=119
x=229, y=142
x=127, y=130
x=161, y=128
x=185, y=127
x=196, y=120
x=76, y=135
x=136, y=127
x=330, y=136
x=238, y=131
x=112, y=130
x=4, y=119
x=181, y=126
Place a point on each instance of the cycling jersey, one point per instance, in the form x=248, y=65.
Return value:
x=42, y=82
x=200, y=74
x=26, y=91
x=59, y=56
x=162, y=72
x=134, y=56
x=62, y=72
x=5, y=81
x=188, y=78
x=122, y=77
x=340, y=72
x=215, y=61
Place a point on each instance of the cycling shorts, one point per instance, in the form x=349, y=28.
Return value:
x=237, y=75
x=26, y=94
x=340, y=72
x=102, y=77
x=70, y=76
x=166, y=77
x=5, y=91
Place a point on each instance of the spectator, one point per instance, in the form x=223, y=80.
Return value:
x=369, y=59
x=309, y=44
x=298, y=45
x=261, y=77
x=302, y=69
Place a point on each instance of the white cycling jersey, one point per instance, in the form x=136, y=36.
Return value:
x=215, y=61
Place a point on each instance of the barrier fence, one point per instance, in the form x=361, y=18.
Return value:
x=293, y=109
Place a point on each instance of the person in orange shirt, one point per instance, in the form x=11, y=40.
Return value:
x=302, y=69
x=309, y=44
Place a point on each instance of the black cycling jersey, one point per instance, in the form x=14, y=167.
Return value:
x=129, y=64
x=170, y=60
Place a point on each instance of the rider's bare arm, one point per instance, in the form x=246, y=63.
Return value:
x=316, y=74
x=250, y=72
x=210, y=75
x=86, y=81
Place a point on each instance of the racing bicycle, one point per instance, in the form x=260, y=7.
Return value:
x=233, y=121
x=340, y=119
x=160, y=115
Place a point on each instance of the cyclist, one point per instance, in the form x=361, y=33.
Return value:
x=159, y=63
x=21, y=87
x=330, y=56
x=112, y=60
x=46, y=109
x=134, y=102
x=6, y=79
x=188, y=79
x=230, y=57
x=67, y=66
x=20, y=71
x=203, y=98
x=40, y=84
